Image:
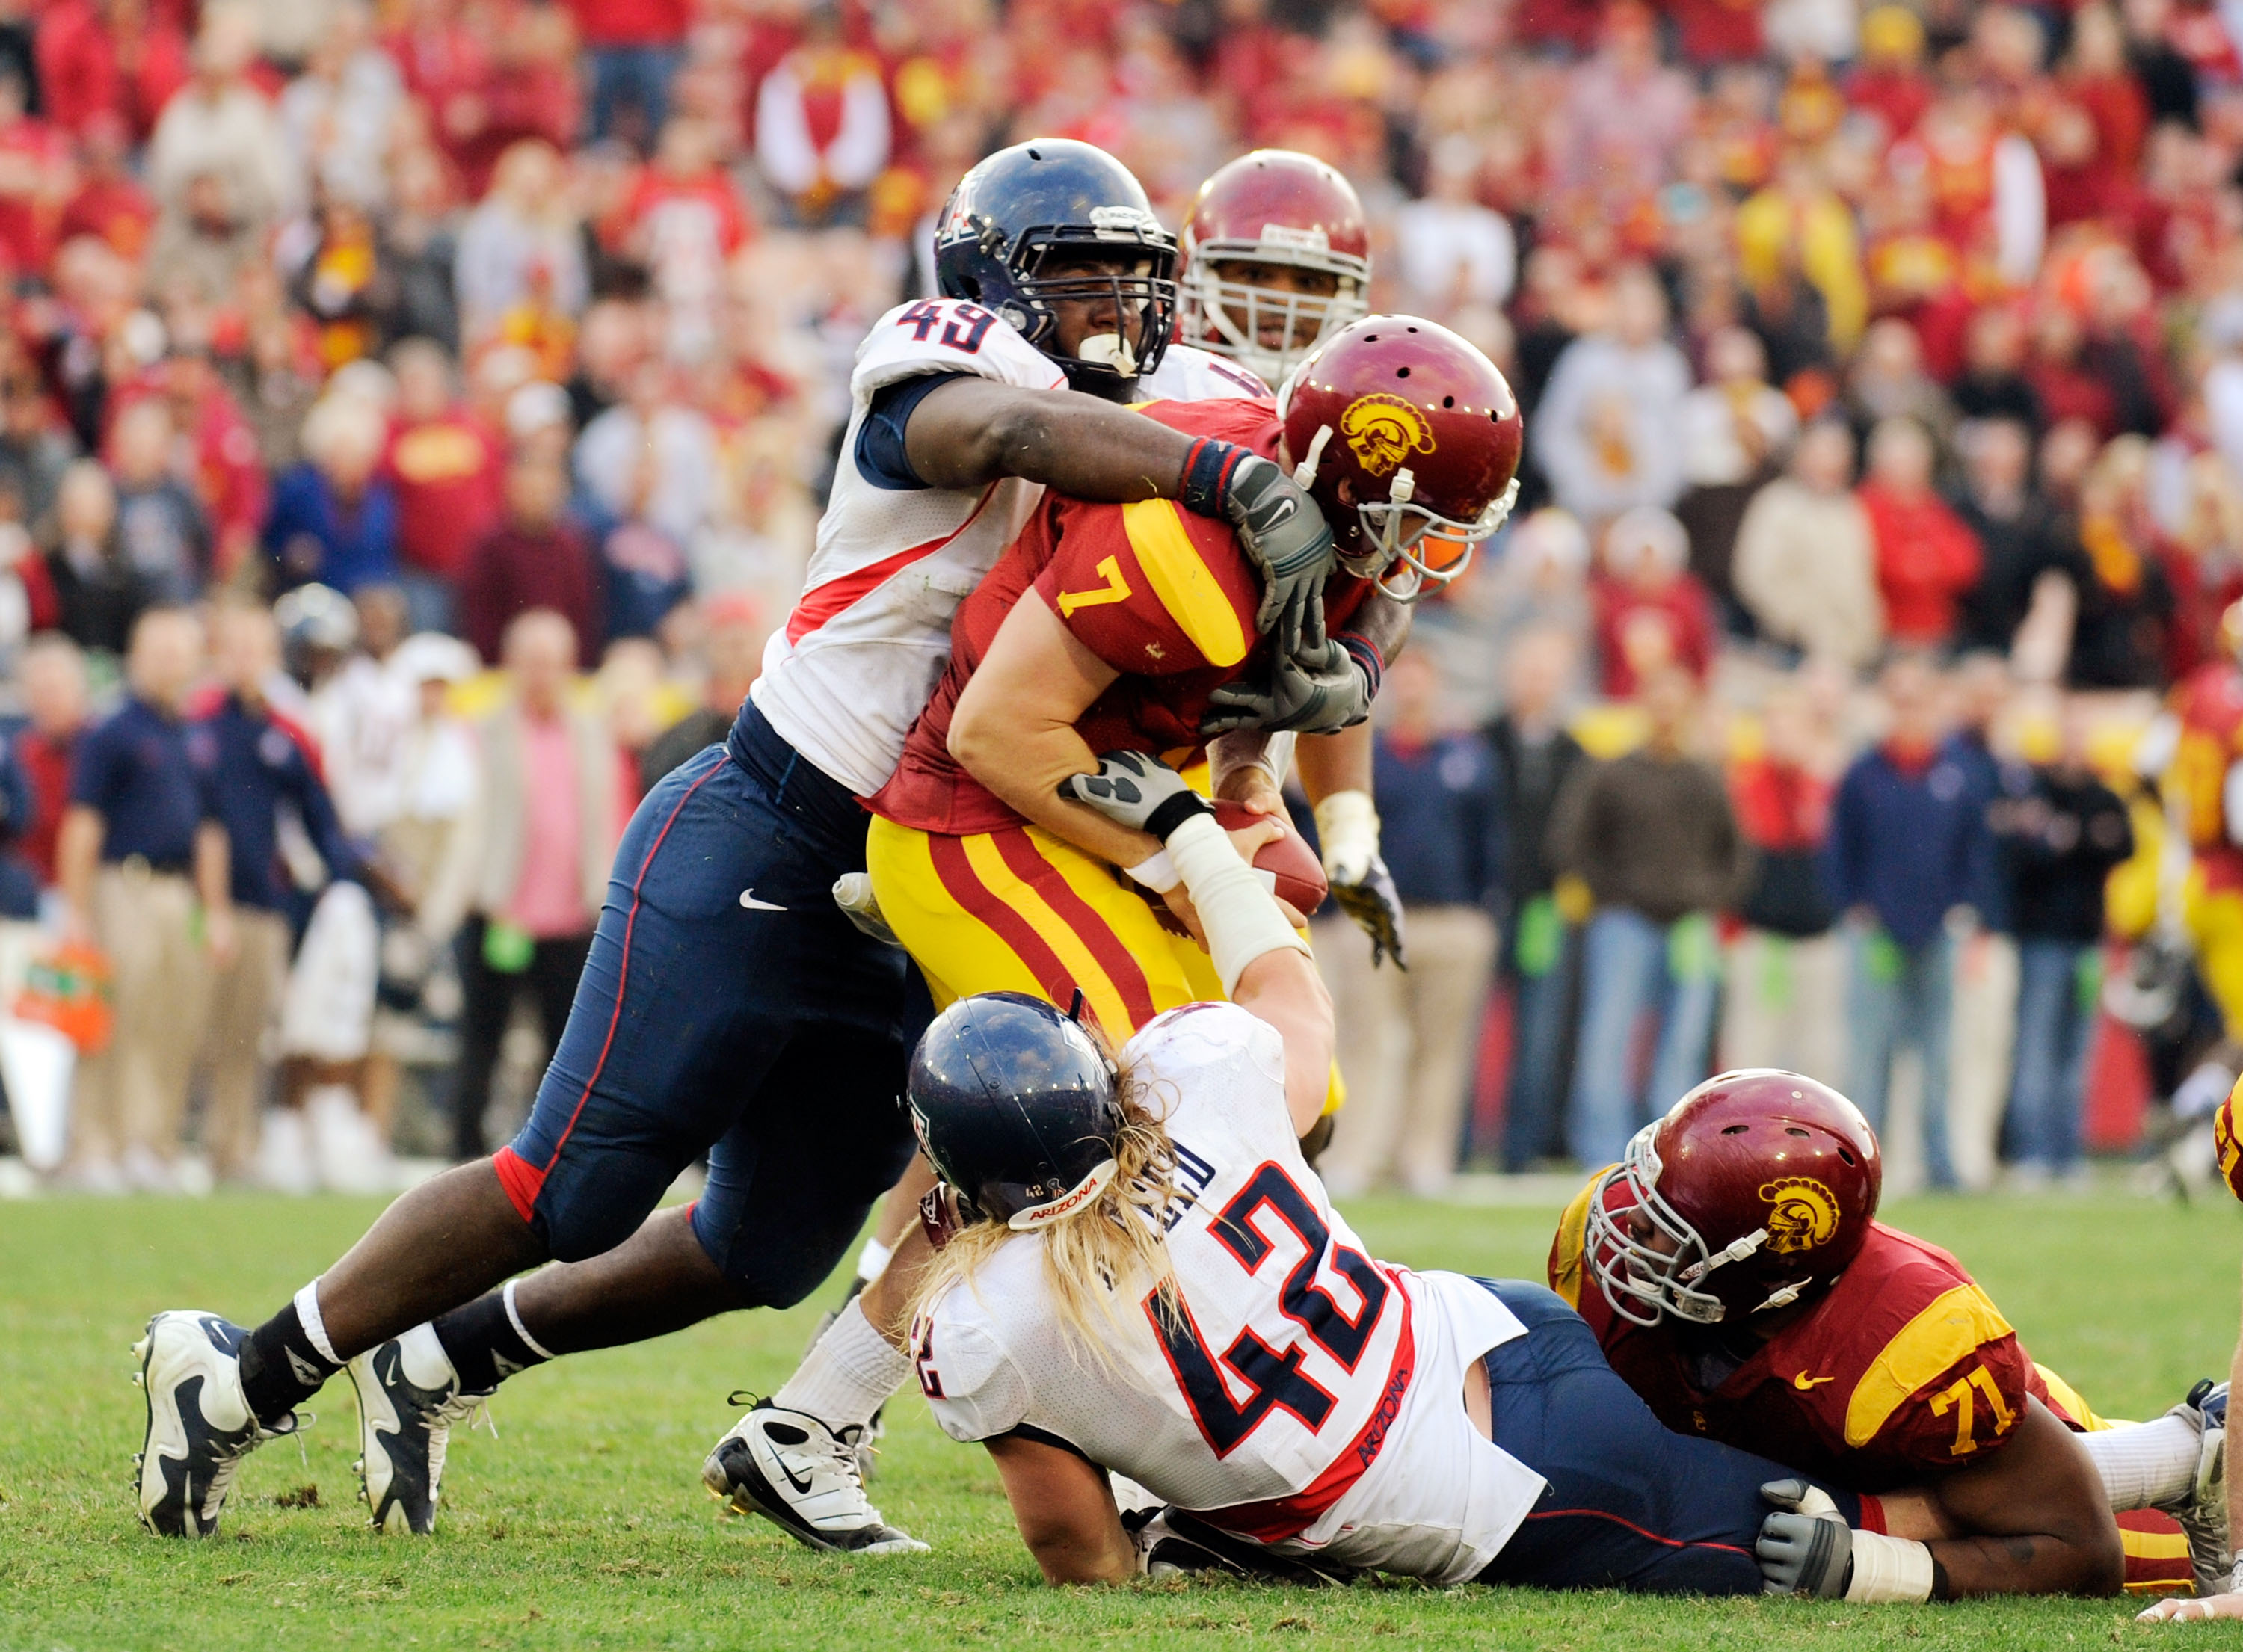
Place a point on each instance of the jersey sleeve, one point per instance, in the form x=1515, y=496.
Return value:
x=947, y=335
x=1214, y=1069
x=973, y=1388
x=1946, y=1389
x=1189, y=374
x=1152, y=589
x=1569, y=1245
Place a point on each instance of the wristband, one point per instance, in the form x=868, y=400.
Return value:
x=1888, y=1568
x=1240, y=916
x=1173, y=811
x=1207, y=468
x=1366, y=654
x=1157, y=872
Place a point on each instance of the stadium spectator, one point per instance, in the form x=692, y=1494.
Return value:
x=1651, y=611
x=52, y=671
x=1926, y=558
x=99, y=593
x=447, y=473
x=822, y=131
x=1737, y=432
x=1608, y=429
x=1535, y=756
x=333, y=519
x=529, y=868
x=1652, y=836
x=1907, y=840
x=1806, y=557
x=1985, y=1014
x=534, y=559
x=220, y=125
x=2065, y=838
x=1783, y=1002
x=635, y=48
x=141, y=863
x=256, y=771
x=1406, y=1037
x=2019, y=539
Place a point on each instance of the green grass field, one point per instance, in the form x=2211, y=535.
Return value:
x=584, y=1524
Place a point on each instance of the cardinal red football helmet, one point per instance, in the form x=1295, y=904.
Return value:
x=1411, y=431
x=1764, y=1184
x=1273, y=208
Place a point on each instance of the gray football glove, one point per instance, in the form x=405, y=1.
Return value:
x=1317, y=690
x=1137, y=791
x=1802, y=1552
x=1286, y=537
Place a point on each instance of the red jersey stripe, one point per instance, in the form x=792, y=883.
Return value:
x=1020, y=853
x=836, y=595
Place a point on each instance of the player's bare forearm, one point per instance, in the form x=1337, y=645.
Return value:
x=1014, y=729
x=1064, y=1506
x=1334, y=762
x=1385, y=624
x=971, y=432
x=2032, y=1518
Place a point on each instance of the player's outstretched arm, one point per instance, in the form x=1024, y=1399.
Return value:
x=972, y=430
x=1064, y=1506
x=2032, y=1518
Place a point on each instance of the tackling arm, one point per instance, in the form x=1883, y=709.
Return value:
x=973, y=430
x=2032, y=1518
x=1064, y=1506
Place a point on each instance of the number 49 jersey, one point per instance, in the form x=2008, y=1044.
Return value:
x=1300, y=1393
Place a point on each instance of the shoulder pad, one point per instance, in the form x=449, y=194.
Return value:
x=947, y=335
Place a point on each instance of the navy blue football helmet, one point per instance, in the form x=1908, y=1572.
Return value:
x=1014, y=1103
x=1015, y=233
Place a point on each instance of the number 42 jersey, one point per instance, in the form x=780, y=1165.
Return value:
x=1301, y=1394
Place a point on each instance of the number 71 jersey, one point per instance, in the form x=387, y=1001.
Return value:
x=1298, y=1390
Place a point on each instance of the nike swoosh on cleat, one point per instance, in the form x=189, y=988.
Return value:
x=748, y=899
x=801, y=1485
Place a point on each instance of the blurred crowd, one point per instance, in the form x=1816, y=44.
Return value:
x=410, y=410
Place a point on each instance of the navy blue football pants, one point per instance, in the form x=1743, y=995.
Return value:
x=727, y=1007
x=1630, y=1504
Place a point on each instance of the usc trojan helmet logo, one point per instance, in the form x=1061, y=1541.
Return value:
x=1802, y=1214
x=1383, y=431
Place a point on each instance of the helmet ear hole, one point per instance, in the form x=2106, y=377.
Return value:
x=1734, y=1130
x=1793, y=1130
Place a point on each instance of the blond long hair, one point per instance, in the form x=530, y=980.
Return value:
x=1099, y=1260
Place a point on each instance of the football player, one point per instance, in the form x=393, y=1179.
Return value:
x=1735, y=1275
x=724, y=991
x=1129, y=627
x=2224, y=1597
x=1141, y=1275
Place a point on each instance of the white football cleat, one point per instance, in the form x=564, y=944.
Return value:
x=802, y=1476
x=409, y=1399
x=200, y=1424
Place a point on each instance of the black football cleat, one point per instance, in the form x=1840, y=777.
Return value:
x=200, y=1423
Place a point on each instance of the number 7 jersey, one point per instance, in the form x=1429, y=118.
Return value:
x=1300, y=1393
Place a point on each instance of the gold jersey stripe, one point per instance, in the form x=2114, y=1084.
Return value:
x=1955, y=1322
x=1181, y=579
x=1565, y=1263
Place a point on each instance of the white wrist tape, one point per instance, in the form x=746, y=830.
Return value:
x=1157, y=872
x=1347, y=831
x=1274, y=758
x=1889, y=1568
x=1240, y=916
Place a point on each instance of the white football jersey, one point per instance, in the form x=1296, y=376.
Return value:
x=1190, y=374
x=853, y=666
x=1306, y=1396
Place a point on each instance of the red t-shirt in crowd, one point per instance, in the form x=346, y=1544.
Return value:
x=46, y=764
x=514, y=569
x=1927, y=557
x=1678, y=611
x=632, y=22
x=446, y=474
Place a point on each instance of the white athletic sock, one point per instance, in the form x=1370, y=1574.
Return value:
x=2147, y=1464
x=848, y=1375
x=872, y=1260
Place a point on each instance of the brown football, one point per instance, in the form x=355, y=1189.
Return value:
x=1287, y=865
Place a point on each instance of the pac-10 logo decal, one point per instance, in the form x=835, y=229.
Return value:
x=1802, y=1214
x=1384, y=430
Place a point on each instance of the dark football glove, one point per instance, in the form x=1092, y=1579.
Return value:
x=1318, y=690
x=1280, y=529
x=1377, y=910
x=1802, y=1552
x=1137, y=791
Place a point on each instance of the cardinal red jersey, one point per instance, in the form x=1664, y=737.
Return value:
x=1164, y=596
x=2210, y=707
x=1904, y=1368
